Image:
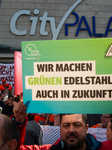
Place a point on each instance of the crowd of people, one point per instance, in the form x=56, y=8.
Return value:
x=8, y=101
x=22, y=131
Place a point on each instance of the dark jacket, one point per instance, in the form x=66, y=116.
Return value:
x=8, y=110
x=2, y=104
x=91, y=142
x=33, y=134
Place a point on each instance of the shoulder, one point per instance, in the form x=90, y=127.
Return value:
x=57, y=146
x=92, y=142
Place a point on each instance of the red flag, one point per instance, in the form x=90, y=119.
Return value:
x=18, y=73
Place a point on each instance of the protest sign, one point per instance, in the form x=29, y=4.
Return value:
x=7, y=73
x=67, y=76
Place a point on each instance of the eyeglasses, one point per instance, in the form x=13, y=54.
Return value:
x=104, y=117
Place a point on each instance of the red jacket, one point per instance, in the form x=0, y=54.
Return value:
x=106, y=145
x=22, y=129
x=35, y=147
x=97, y=126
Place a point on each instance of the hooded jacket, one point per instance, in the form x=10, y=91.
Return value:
x=91, y=144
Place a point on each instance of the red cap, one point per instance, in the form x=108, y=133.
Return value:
x=3, y=80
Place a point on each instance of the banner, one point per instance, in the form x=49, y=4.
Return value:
x=7, y=73
x=68, y=76
x=17, y=73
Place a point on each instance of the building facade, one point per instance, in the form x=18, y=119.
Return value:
x=33, y=20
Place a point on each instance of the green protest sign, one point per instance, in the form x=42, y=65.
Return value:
x=67, y=76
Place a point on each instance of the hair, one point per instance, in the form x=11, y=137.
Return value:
x=110, y=124
x=111, y=115
x=84, y=117
x=10, y=96
x=9, y=130
x=16, y=99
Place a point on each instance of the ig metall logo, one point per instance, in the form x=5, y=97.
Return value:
x=31, y=51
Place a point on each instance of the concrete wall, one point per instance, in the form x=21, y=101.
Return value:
x=101, y=9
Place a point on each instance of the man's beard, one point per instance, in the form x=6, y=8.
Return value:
x=74, y=146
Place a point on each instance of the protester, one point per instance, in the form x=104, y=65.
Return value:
x=49, y=120
x=56, y=119
x=10, y=90
x=44, y=119
x=73, y=129
x=2, y=105
x=105, y=118
x=5, y=92
x=31, y=116
x=8, y=110
x=33, y=133
x=2, y=88
x=3, y=82
x=93, y=119
x=5, y=88
x=107, y=145
x=109, y=130
x=15, y=100
x=5, y=100
x=9, y=133
x=40, y=118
